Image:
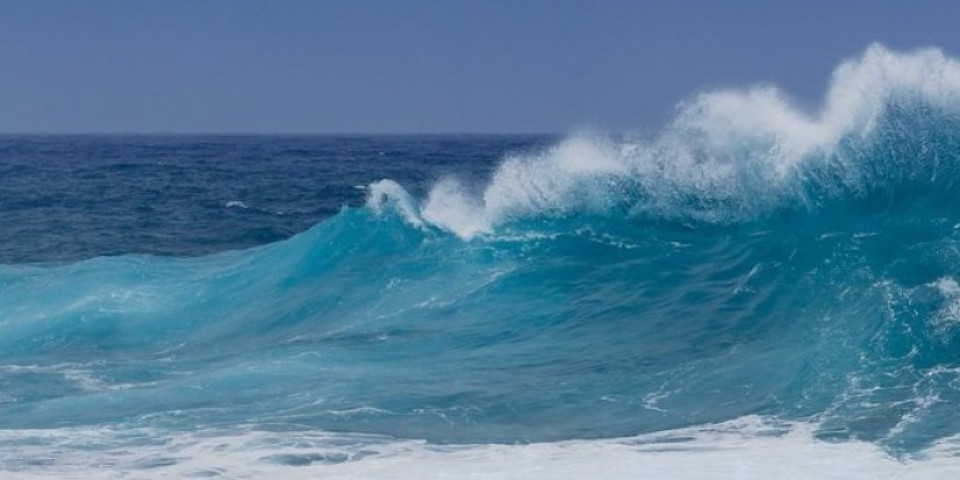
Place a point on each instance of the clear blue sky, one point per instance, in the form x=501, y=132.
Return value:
x=421, y=66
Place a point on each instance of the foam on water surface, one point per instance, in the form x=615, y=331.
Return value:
x=749, y=447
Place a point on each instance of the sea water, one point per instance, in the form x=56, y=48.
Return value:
x=754, y=291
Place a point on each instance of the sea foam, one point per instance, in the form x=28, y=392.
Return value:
x=749, y=447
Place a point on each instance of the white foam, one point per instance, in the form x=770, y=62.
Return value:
x=389, y=193
x=737, y=150
x=747, y=448
x=80, y=375
x=452, y=207
x=948, y=315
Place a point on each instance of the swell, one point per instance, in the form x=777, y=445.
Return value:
x=582, y=328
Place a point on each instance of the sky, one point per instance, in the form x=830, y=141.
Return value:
x=421, y=66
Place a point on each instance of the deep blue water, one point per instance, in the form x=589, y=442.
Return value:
x=75, y=197
x=485, y=289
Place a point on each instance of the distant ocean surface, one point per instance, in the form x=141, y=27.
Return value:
x=751, y=292
x=68, y=198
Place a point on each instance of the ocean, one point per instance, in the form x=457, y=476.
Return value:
x=753, y=291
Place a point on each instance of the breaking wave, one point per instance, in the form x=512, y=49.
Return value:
x=750, y=261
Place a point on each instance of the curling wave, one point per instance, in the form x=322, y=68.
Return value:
x=750, y=260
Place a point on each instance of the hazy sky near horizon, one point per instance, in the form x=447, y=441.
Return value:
x=222, y=66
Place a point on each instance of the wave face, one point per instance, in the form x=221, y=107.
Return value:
x=750, y=259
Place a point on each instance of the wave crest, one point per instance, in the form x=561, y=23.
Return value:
x=727, y=156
